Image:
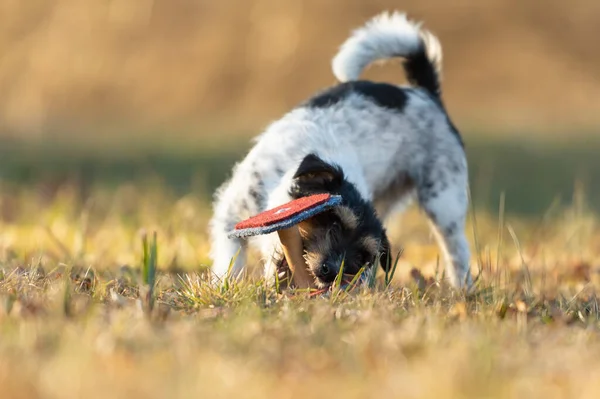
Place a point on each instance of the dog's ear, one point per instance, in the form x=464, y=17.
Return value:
x=315, y=175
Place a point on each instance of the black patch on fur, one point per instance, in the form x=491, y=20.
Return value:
x=256, y=191
x=451, y=229
x=421, y=72
x=429, y=189
x=256, y=197
x=455, y=168
x=383, y=94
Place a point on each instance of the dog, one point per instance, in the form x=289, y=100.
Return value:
x=377, y=145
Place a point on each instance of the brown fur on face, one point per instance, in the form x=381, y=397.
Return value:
x=371, y=244
x=347, y=217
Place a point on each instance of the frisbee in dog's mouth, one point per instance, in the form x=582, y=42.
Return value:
x=285, y=216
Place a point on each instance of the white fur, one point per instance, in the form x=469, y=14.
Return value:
x=383, y=37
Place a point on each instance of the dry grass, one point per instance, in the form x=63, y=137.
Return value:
x=72, y=322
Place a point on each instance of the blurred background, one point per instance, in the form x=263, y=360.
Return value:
x=169, y=92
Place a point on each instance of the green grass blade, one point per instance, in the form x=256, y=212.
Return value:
x=392, y=272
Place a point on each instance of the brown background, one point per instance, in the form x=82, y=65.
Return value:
x=81, y=66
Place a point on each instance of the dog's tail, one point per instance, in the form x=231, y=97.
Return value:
x=388, y=36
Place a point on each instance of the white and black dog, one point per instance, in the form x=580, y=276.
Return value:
x=375, y=144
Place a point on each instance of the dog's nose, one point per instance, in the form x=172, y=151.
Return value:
x=326, y=273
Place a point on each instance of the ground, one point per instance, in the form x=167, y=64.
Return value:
x=74, y=324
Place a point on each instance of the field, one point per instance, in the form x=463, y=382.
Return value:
x=77, y=319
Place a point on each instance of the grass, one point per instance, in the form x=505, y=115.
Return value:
x=93, y=306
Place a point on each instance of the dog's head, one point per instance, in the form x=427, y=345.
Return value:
x=349, y=233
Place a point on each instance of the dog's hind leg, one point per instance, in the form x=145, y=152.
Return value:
x=443, y=195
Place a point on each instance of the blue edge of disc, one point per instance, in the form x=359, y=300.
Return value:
x=284, y=224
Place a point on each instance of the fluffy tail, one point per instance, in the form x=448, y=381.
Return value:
x=388, y=36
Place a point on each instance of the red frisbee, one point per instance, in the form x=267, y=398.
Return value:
x=285, y=215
